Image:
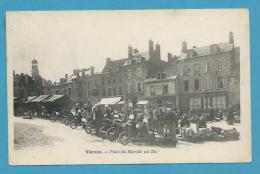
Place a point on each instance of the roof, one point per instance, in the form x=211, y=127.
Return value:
x=166, y=78
x=205, y=50
x=30, y=98
x=144, y=54
x=53, y=98
x=144, y=102
x=114, y=63
x=39, y=98
x=109, y=101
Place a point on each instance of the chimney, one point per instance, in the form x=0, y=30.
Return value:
x=158, y=50
x=13, y=72
x=92, y=70
x=66, y=76
x=169, y=57
x=231, y=37
x=108, y=59
x=74, y=72
x=130, y=51
x=135, y=51
x=184, y=47
x=150, y=48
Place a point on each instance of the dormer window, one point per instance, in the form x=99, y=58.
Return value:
x=214, y=49
x=191, y=53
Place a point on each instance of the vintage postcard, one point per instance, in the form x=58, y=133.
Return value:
x=128, y=86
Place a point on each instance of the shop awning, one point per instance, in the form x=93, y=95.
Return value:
x=144, y=102
x=121, y=102
x=29, y=99
x=39, y=98
x=110, y=101
x=53, y=98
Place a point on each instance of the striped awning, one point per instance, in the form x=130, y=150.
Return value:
x=39, y=98
x=29, y=99
x=53, y=98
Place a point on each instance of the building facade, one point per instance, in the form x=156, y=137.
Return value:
x=209, y=76
x=25, y=85
x=198, y=78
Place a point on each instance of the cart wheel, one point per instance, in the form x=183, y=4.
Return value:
x=102, y=131
x=88, y=129
x=63, y=120
x=53, y=118
x=110, y=134
x=93, y=131
x=66, y=122
x=123, y=138
x=73, y=125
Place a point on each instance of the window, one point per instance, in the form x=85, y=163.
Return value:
x=103, y=81
x=114, y=79
x=120, y=78
x=195, y=103
x=104, y=92
x=220, y=83
x=196, y=68
x=165, y=90
x=108, y=81
x=207, y=84
x=120, y=91
x=186, y=85
x=69, y=91
x=207, y=67
x=64, y=91
x=114, y=91
x=152, y=91
x=219, y=102
x=109, y=92
x=196, y=84
x=220, y=65
x=95, y=92
x=139, y=72
x=139, y=87
x=56, y=91
x=185, y=69
x=89, y=93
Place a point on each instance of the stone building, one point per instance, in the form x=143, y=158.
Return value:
x=125, y=77
x=161, y=90
x=208, y=76
x=198, y=78
x=25, y=85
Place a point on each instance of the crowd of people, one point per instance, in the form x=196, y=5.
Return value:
x=152, y=117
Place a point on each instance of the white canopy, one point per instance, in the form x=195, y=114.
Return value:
x=109, y=101
x=144, y=102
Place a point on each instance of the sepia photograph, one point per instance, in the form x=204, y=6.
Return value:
x=128, y=86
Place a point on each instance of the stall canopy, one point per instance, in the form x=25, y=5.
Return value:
x=39, y=98
x=109, y=101
x=144, y=102
x=121, y=102
x=53, y=98
x=29, y=99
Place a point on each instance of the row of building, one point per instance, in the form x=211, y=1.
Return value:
x=198, y=78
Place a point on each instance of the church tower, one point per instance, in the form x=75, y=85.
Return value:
x=35, y=70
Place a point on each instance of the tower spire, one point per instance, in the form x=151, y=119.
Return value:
x=35, y=70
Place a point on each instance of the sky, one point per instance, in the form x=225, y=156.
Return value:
x=65, y=40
